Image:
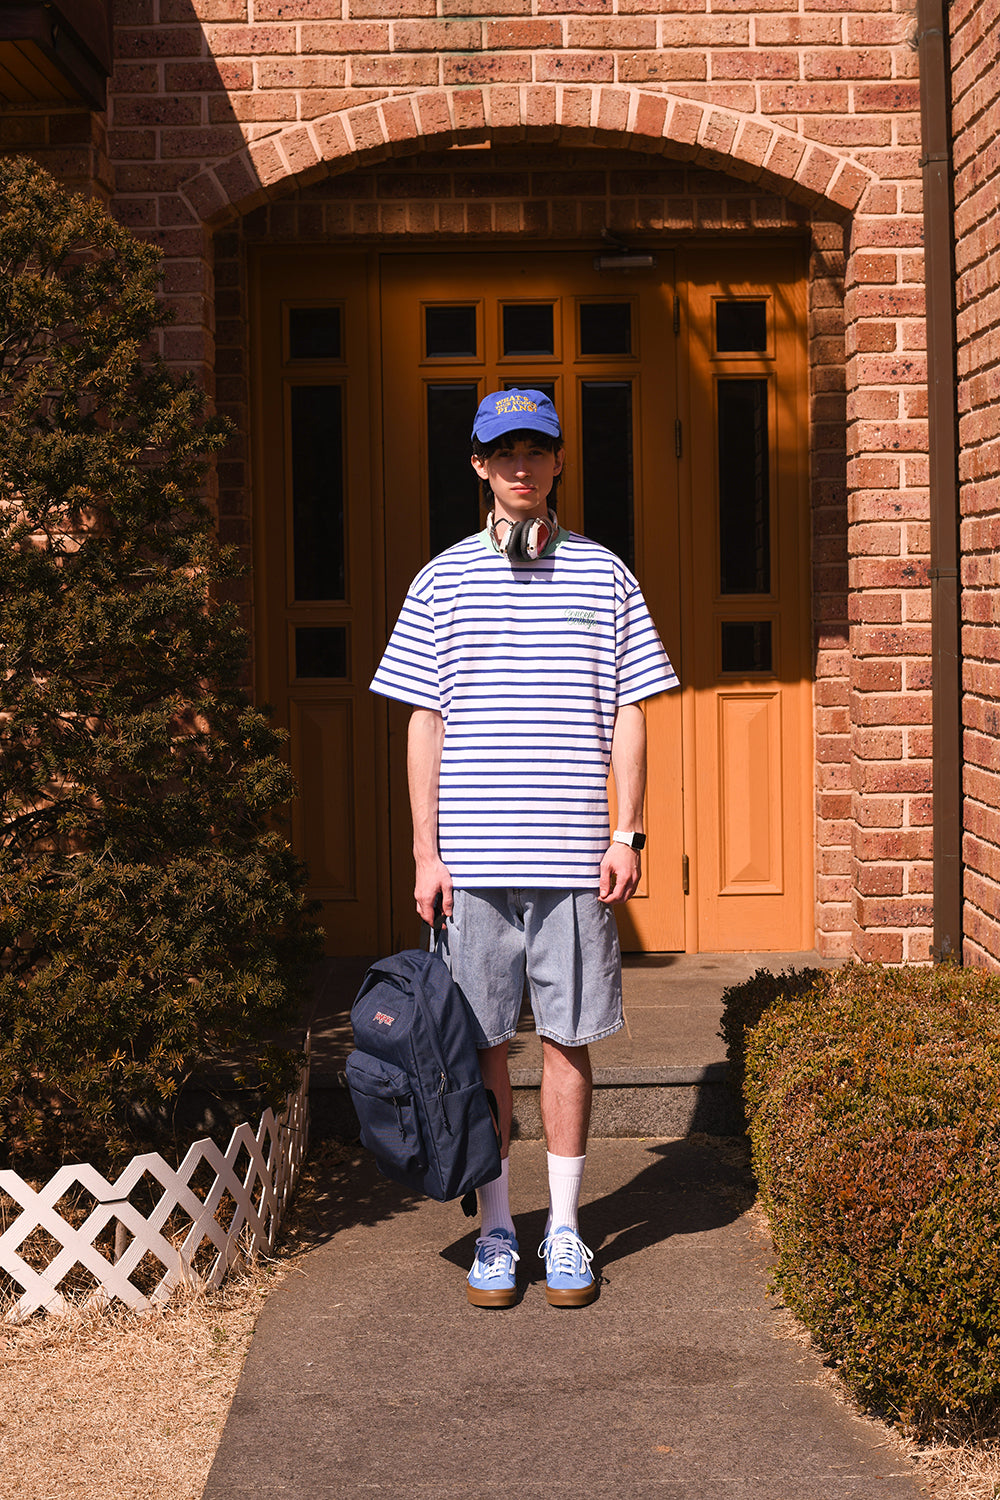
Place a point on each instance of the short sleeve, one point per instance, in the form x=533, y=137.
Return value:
x=408, y=670
x=644, y=667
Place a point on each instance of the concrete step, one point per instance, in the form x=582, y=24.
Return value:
x=664, y=1074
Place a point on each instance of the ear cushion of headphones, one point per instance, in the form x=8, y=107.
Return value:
x=528, y=539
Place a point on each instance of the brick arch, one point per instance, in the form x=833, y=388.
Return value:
x=751, y=147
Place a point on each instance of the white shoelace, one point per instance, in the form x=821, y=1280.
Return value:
x=492, y=1252
x=565, y=1254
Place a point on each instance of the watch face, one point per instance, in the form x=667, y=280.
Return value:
x=638, y=841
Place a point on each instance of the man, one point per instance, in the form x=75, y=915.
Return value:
x=526, y=652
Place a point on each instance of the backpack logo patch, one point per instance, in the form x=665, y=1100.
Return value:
x=383, y=1019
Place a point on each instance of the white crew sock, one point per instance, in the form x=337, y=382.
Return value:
x=494, y=1201
x=565, y=1177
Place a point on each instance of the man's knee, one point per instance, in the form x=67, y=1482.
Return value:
x=562, y=1060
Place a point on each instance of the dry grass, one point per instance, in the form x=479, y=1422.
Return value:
x=109, y=1403
x=113, y=1405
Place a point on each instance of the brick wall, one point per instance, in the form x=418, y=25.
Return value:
x=976, y=127
x=230, y=119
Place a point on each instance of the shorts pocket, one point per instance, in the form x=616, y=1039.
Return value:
x=387, y=1113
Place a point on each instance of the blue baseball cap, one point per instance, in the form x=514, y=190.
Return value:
x=508, y=411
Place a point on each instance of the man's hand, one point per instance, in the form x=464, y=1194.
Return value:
x=620, y=871
x=433, y=880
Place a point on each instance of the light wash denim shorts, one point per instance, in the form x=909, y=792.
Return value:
x=564, y=942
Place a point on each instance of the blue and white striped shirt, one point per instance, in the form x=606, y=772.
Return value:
x=528, y=664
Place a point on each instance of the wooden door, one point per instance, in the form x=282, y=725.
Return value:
x=748, y=767
x=683, y=405
x=601, y=344
x=318, y=577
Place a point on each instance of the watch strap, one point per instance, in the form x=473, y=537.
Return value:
x=634, y=841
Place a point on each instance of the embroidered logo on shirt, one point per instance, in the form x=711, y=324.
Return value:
x=585, y=617
x=383, y=1019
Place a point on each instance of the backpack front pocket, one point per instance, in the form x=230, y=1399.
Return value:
x=387, y=1114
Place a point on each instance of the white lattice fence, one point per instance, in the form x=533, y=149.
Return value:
x=184, y=1236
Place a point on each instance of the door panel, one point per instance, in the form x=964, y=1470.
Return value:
x=316, y=589
x=747, y=661
x=683, y=404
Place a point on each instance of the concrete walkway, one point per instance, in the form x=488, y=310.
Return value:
x=370, y=1373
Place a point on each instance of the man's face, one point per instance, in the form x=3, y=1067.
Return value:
x=520, y=474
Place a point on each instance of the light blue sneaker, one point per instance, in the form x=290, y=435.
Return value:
x=569, y=1281
x=491, y=1280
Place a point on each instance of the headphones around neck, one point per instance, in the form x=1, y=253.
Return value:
x=525, y=540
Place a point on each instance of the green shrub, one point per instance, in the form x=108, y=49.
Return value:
x=744, y=1005
x=874, y=1106
x=150, y=915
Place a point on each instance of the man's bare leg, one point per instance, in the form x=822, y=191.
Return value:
x=496, y=1076
x=567, y=1090
x=494, y=1197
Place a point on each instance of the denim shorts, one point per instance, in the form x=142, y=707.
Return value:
x=564, y=942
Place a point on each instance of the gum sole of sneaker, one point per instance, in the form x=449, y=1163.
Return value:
x=571, y=1296
x=490, y=1299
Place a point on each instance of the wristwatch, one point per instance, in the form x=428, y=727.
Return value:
x=634, y=841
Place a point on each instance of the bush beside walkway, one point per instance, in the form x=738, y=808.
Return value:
x=873, y=1098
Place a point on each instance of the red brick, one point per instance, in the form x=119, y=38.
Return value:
x=803, y=98
x=395, y=71
x=842, y=63
x=886, y=98
x=650, y=118
x=754, y=63
x=902, y=911
x=470, y=111
x=852, y=131
x=880, y=880
x=344, y=36
x=577, y=67
x=796, y=31
x=652, y=67
x=394, y=9
x=618, y=34
x=437, y=36
x=885, y=844
x=877, y=947
x=169, y=41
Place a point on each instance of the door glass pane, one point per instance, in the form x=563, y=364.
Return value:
x=547, y=387
x=450, y=332
x=605, y=328
x=746, y=646
x=318, y=491
x=606, y=411
x=321, y=651
x=741, y=327
x=744, y=488
x=528, y=328
x=452, y=484
x=314, y=333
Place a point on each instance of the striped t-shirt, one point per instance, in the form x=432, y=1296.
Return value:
x=528, y=664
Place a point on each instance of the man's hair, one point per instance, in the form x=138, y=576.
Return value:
x=544, y=440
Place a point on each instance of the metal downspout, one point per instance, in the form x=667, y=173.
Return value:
x=946, y=681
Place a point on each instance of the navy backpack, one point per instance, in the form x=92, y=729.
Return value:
x=415, y=1081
